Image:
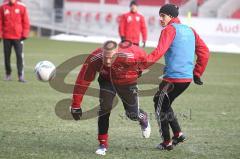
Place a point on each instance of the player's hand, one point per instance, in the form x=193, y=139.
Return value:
x=143, y=44
x=76, y=113
x=197, y=80
x=123, y=38
x=140, y=73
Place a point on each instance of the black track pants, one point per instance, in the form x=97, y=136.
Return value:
x=18, y=47
x=162, y=102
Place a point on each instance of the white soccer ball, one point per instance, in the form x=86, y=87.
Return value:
x=45, y=71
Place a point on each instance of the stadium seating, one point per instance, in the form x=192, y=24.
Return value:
x=178, y=2
x=141, y=2
x=85, y=1
x=227, y=9
x=210, y=8
x=200, y=2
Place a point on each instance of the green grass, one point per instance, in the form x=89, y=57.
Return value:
x=29, y=127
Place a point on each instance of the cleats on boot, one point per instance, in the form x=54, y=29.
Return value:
x=179, y=139
x=7, y=78
x=163, y=146
x=102, y=149
x=145, y=127
x=21, y=79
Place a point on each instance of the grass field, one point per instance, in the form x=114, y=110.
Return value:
x=29, y=127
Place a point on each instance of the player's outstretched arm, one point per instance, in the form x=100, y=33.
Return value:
x=84, y=79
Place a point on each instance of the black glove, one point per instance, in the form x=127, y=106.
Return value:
x=197, y=80
x=143, y=44
x=76, y=113
x=123, y=38
x=0, y=39
x=23, y=38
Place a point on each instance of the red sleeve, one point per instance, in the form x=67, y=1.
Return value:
x=143, y=29
x=1, y=22
x=166, y=38
x=141, y=60
x=25, y=23
x=85, y=77
x=122, y=26
x=202, y=53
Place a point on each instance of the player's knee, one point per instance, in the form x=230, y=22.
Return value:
x=105, y=109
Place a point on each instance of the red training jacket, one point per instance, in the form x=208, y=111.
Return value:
x=165, y=41
x=124, y=70
x=131, y=26
x=14, y=21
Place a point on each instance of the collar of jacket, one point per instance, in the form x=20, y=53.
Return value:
x=133, y=12
x=174, y=20
x=12, y=4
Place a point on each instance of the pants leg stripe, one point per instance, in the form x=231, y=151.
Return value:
x=162, y=94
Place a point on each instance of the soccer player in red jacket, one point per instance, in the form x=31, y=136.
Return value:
x=14, y=28
x=179, y=44
x=118, y=70
x=132, y=25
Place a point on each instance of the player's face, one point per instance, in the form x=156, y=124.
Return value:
x=164, y=19
x=108, y=57
x=134, y=8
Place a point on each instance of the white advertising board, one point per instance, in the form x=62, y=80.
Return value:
x=102, y=20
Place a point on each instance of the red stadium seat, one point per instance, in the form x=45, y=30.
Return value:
x=140, y=2
x=152, y=2
x=151, y=20
x=68, y=13
x=97, y=17
x=8, y=0
x=200, y=2
x=78, y=16
x=109, y=18
x=118, y=18
x=88, y=17
x=236, y=14
x=85, y=1
x=178, y=2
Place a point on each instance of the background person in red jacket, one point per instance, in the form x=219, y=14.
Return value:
x=179, y=44
x=14, y=28
x=132, y=25
x=118, y=70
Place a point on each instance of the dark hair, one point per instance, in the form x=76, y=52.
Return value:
x=170, y=10
x=134, y=2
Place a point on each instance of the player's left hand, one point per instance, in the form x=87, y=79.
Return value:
x=197, y=80
x=76, y=113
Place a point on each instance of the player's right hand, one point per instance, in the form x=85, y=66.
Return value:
x=76, y=113
x=123, y=38
x=197, y=80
